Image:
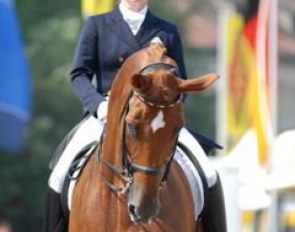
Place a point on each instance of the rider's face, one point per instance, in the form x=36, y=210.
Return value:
x=135, y=5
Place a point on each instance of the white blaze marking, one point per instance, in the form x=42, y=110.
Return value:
x=158, y=122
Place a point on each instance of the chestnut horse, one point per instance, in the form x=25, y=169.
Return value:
x=131, y=183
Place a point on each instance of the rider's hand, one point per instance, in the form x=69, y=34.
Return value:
x=102, y=110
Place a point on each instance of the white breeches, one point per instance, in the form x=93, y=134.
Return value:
x=91, y=130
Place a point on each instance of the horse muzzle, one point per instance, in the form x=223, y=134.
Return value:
x=144, y=201
x=142, y=215
x=142, y=208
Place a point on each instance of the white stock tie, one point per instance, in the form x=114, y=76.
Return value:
x=134, y=25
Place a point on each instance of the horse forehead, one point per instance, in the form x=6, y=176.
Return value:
x=163, y=79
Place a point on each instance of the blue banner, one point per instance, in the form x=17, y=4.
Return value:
x=15, y=80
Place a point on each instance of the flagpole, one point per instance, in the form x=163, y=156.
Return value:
x=273, y=74
x=220, y=117
x=273, y=61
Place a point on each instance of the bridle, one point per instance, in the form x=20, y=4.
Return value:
x=178, y=100
x=150, y=68
x=129, y=167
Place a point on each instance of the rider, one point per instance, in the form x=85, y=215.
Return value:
x=105, y=42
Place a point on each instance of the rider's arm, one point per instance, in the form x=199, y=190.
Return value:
x=84, y=66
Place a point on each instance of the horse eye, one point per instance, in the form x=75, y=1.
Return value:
x=132, y=128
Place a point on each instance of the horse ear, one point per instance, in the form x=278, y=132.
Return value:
x=140, y=82
x=196, y=84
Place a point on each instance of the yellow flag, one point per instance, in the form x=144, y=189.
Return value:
x=92, y=7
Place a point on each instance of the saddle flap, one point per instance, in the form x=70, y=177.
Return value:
x=73, y=174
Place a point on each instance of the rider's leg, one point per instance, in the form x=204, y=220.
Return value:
x=89, y=131
x=53, y=218
x=214, y=219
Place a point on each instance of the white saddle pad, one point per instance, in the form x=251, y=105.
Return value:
x=194, y=180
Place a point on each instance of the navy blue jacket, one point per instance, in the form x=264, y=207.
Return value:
x=105, y=42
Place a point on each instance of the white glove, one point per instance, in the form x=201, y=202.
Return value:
x=102, y=110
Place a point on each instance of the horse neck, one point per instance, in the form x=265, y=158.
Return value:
x=113, y=136
x=112, y=142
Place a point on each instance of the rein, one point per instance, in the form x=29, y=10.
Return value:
x=120, y=172
x=129, y=167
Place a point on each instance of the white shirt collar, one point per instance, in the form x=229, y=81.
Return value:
x=132, y=15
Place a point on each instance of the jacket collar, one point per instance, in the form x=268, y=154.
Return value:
x=148, y=29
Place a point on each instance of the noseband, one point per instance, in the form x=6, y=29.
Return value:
x=129, y=167
x=178, y=100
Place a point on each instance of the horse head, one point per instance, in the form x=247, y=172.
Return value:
x=152, y=123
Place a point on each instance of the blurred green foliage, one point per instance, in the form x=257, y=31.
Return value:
x=50, y=30
x=200, y=107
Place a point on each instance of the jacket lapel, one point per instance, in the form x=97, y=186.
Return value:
x=148, y=29
x=117, y=24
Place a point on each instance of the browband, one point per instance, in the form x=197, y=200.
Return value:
x=169, y=67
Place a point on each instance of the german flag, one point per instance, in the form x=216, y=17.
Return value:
x=248, y=86
x=92, y=7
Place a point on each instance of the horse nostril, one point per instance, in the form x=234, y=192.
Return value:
x=131, y=209
x=132, y=213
